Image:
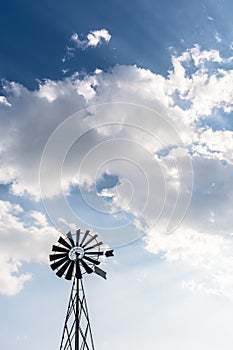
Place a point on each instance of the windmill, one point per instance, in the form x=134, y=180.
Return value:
x=73, y=257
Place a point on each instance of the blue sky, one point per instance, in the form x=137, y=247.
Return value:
x=141, y=34
x=117, y=117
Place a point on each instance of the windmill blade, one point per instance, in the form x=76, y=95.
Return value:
x=93, y=261
x=94, y=253
x=70, y=238
x=90, y=240
x=70, y=271
x=100, y=272
x=63, y=269
x=56, y=248
x=78, y=273
x=77, y=237
x=109, y=253
x=84, y=237
x=86, y=267
x=63, y=242
x=53, y=257
x=58, y=263
x=94, y=246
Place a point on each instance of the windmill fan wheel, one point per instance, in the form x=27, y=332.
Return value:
x=77, y=254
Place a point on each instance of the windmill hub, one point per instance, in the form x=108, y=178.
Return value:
x=76, y=253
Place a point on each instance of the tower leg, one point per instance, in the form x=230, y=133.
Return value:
x=77, y=333
x=77, y=318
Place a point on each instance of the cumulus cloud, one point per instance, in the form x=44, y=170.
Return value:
x=26, y=127
x=24, y=237
x=4, y=101
x=145, y=147
x=208, y=256
x=94, y=38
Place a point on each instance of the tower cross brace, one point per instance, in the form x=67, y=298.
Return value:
x=77, y=334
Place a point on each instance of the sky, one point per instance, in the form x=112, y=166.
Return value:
x=118, y=117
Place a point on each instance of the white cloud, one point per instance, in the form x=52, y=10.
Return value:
x=97, y=36
x=217, y=37
x=4, y=101
x=217, y=144
x=26, y=127
x=74, y=37
x=200, y=57
x=11, y=282
x=24, y=237
x=207, y=256
x=94, y=38
x=45, y=108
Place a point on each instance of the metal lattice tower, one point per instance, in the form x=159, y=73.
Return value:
x=76, y=255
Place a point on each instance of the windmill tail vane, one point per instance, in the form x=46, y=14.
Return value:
x=74, y=256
